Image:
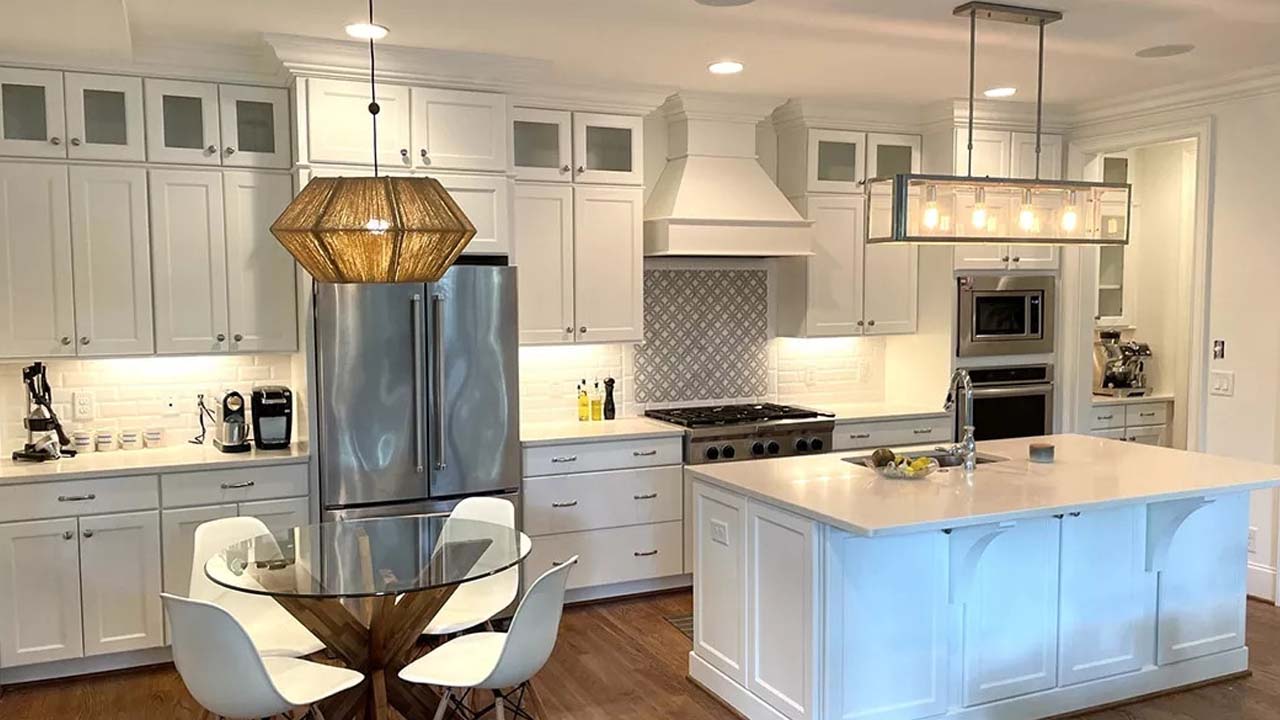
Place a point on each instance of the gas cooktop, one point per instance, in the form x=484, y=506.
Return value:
x=720, y=433
x=717, y=415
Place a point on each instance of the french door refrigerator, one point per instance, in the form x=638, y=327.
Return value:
x=417, y=395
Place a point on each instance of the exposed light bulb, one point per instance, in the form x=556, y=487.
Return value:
x=1070, y=214
x=979, y=219
x=1027, y=216
x=377, y=225
x=932, y=216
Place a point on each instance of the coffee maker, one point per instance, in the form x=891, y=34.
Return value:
x=1120, y=367
x=231, y=426
x=272, y=417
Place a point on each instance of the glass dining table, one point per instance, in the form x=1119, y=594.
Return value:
x=367, y=589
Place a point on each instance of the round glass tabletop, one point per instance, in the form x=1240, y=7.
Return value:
x=368, y=558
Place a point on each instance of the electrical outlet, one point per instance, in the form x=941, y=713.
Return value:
x=720, y=532
x=1253, y=540
x=171, y=405
x=1222, y=383
x=82, y=405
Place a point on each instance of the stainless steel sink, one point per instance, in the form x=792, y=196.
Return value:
x=945, y=459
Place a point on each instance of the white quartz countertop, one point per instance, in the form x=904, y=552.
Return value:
x=178, y=458
x=1102, y=400
x=1088, y=473
x=853, y=412
x=631, y=428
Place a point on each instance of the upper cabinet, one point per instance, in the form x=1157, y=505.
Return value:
x=889, y=155
x=542, y=144
x=37, y=312
x=458, y=130
x=816, y=160
x=32, y=118
x=205, y=124
x=562, y=146
x=104, y=117
x=255, y=126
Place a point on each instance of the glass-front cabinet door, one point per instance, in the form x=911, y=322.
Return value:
x=182, y=122
x=836, y=160
x=608, y=149
x=889, y=155
x=255, y=126
x=32, y=123
x=542, y=144
x=104, y=117
x=1117, y=291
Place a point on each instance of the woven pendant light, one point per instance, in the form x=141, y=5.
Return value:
x=374, y=229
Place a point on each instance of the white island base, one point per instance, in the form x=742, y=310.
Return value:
x=807, y=612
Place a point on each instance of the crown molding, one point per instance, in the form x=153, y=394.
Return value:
x=224, y=63
x=1263, y=80
x=719, y=106
x=994, y=115
x=847, y=115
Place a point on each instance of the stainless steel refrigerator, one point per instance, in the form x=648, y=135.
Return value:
x=417, y=395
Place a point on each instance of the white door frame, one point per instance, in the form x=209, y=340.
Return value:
x=1080, y=265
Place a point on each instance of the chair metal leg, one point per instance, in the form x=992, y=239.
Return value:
x=444, y=704
x=500, y=705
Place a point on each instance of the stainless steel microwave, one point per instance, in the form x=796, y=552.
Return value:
x=1005, y=315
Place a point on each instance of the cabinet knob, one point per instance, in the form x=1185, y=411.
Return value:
x=569, y=330
x=1004, y=259
x=221, y=337
x=55, y=140
x=84, y=340
x=1097, y=317
x=861, y=323
x=237, y=337
x=87, y=533
x=581, y=169
x=75, y=141
x=1017, y=258
x=230, y=151
x=582, y=329
x=871, y=323
x=404, y=153
x=212, y=150
x=65, y=340
x=67, y=534
x=423, y=154
x=565, y=168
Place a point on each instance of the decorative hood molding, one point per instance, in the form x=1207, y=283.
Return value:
x=713, y=197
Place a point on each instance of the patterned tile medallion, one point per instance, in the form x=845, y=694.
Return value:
x=706, y=336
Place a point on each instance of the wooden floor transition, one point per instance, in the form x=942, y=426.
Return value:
x=622, y=661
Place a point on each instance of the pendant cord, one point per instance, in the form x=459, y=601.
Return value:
x=373, y=96
x=1040, y=100
x=973, y=51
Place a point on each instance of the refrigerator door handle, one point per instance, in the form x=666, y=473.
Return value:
x=418, y=409
x=437, y=355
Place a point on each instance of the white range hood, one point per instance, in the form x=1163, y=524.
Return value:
x=713, y=198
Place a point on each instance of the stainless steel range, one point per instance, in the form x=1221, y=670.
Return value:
x=724, y=433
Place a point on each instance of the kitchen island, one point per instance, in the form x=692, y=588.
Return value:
x=823, y=591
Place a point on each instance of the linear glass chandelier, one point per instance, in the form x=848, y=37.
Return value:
x=374, y=229
x=971, y=210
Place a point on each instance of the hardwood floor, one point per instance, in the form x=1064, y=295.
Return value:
x=623, y=661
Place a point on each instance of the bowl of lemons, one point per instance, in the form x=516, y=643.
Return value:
x=891, y=465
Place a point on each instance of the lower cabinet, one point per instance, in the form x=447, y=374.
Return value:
x=720, y=580
x=611, y=555
x=120, y=582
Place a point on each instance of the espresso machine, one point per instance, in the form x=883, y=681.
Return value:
x=46, y=439
x=1120, y=366
x=231, y=424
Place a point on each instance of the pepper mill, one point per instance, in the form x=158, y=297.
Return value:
x=610, y=411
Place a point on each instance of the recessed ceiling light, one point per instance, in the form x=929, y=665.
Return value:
x=725, y=67
x=366, y=31
x=1000, y=92
x=1164, y=51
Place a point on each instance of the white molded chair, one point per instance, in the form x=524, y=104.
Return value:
x=477, y=602
x=499, y=661
x=227, y=676
x=273, y=630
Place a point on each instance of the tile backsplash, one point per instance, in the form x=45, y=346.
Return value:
x=134, y=392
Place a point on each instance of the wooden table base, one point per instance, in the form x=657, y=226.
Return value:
x=379, y=648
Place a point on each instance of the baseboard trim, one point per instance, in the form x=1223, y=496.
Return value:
x=1262, y=582
x=85, y=666
x=619, y=591
x=1055, y=703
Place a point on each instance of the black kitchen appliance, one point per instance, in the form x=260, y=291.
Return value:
x=231, y=427
x=1011, y=401
x=272, y=407
x=46, y=439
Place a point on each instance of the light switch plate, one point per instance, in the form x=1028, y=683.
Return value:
x=720, y=532
x=1222, y=383
x=1253, y=540
x=82, y=405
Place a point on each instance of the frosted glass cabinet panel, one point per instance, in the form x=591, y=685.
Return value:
x=542, y=144
x=607, y=149
x=892, y=155
x=32, y=123
x=182, y=122
x=255, y=126
x=836, y=159
x=104, y=117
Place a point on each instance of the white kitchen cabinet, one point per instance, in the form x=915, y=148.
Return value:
x=890, y=593
x=111, y=244
x=339, y=128
x=890, y=282
x=544, y=256
x=120, y=571
x=542, y=144
x=254, y=123
x=889, y=155
x=608, y=264
x=720, y=580
x=1022, y=164
x=458, y=129
x=1202, y=581
x=486, y=202
x=609, y=556
x=32, y=119
x=37, y=303
x=870, y=434
x=782, y=584
x=178, y=530
x=262, y=310
x=835, y=161
x=608, y=149
x=104, y=117
x=992, y=153
x=1006, y=576
x=1107, y=609
x=40, y=618
x=1141, y=422
x=189, y=256
x=614, y=498
x=279, y=515
x=182, y=122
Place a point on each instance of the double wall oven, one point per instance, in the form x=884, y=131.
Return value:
x=1012, y=401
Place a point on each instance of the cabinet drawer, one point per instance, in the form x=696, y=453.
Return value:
x=213, y=487
x=1146, y=414
x=611, y=556
x=78, y=497
x=591, y=501
x=591, y=457
x=1106, y=416
x=888, y=433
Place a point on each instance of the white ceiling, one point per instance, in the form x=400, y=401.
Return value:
x=897, y=50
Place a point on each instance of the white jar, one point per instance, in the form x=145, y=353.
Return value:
x=104, y=440
x=82, y=441
x=153, y=437
x=130, y=439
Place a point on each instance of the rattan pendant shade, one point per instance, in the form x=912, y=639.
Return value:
x=374, y=229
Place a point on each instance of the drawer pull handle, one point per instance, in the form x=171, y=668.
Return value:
x=566, y=504
x=922, y=431
x=565, y=459
x=651, y=553
x=237, y=485
x=646, y=496
x=1146, y=414
x=1074, y=514
x=1106, y=417
x=860, y=436
x=77, y=498
x=644, y=453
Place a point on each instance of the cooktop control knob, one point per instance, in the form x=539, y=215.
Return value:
x=816, y=444
x=712, y=453
x=727, y=452
x=802, y=445
x=774, y=448
x=757, y=449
